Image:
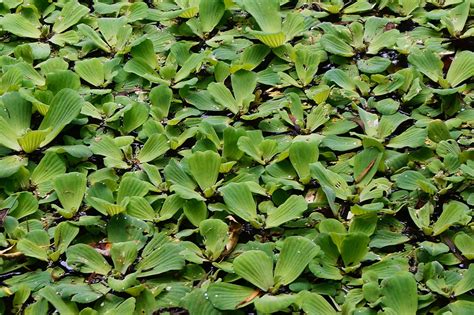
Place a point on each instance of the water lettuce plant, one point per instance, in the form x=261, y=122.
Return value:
x=236, y=157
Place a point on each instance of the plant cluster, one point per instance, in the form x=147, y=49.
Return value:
x=236, y=157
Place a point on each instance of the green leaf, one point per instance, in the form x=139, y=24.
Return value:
x=373, y=65
x=467, y=282
x=291, y=209
x=25, y=205
x=32, y=139
x=223, y=96
x=197, y=302
x=400, y=294
x=332, y=44
x=256, y=267
x=465, y=243
x=337, y=143
x=408, y=180
x=462, y=67
x=341, y=78
x=331, y=180
x=130, y=187
x=70, y=189
x=413, y=137
x=160, y=98
x=313, y=303
x=354, y=248
x=35, y=244
x=87, y=31
x=163, y=259
x=228, y=296
x=243, y=85
x=123, y=255
x=20, y=26
x=366, y=163
x=86, y=259
x=140, y=208
x=437, y=131
x=239, y=199
x=48, y=168
x=155, y=146
x=9, y=165
x=64, y=107
x=63, y=307
x=214, y=233
x=91, y=70
x=302, y=154
x=8, y=137
x=454, y=212
x=428, y=63
x=195, y=211
x=295, y=255
x=204, y=167
x=210, y=13
x=71, y=13
x=269, y=304
x=266, y=13
x=64, y=234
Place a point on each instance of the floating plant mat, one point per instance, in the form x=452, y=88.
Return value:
x=236, y=157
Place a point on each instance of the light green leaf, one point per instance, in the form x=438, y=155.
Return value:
x=465, y=243
x=167, y=257
x=269, y=304
x=63, y=307
x=210, y=13
x=332, y=44
x=214, y=232
x=428, y=63
x=313, y=303
x=413, y=137
x=462, y=67
x=9, y=165
x=91, y=70
x=48, y=168
x=295, y=255
x=19, y=25
x=154, y=147
x=71, y=13
x=454, y=212
x=204, y=167
x=266, y=13
x=354, y=247
x=195, y=211
x=239, y=199
x=140, y=208
x=256, y=267
x=400, y=293
x=467, y=282
x=228, y=296
x=291, y=209
x=70, y=189
x=64, y=107
x=123, y=255
x=86, y=259
x=223, y=96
